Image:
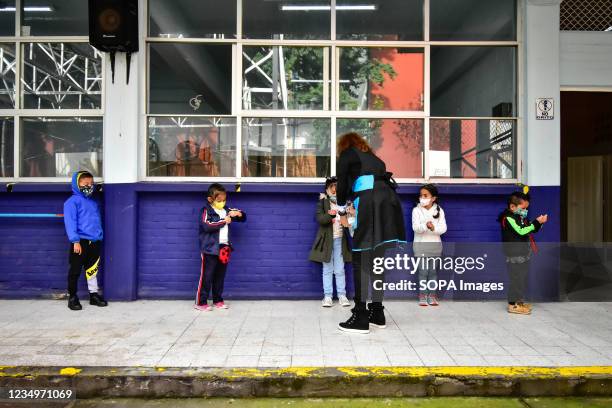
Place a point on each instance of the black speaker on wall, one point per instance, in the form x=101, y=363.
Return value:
x=113, y=27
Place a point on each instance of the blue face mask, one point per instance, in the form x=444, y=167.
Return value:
x=522, y=212
x=332, y=198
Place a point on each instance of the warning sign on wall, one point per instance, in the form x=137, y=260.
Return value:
x=545, y=109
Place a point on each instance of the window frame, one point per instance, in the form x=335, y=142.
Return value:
x=333, y=113
x=18, y=112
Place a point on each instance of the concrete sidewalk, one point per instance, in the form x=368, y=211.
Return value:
x=301, y=334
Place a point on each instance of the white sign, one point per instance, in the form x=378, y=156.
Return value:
x=439, y=163
x=545, y=109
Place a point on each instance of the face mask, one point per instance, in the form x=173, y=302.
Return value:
x=332, y=198
x=218, y=205
x=86, y=190
x=521, y=212
x=424, y=201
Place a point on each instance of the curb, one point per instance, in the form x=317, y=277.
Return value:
x=168, y=382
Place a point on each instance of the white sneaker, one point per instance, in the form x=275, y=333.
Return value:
x=344, y=301
x=327, y=302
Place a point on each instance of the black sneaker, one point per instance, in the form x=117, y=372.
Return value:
x=376, y=316
x=357, y=323
x=74, y=304
x=97, y=300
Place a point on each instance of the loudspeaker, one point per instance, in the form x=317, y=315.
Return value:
x=113, y=25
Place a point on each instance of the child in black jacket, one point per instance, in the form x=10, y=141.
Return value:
x=215, y=247
x=516, y=231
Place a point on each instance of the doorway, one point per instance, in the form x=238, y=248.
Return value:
x=586, y=191
x=586, y=166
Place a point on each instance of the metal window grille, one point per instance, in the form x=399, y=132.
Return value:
x=586, y=15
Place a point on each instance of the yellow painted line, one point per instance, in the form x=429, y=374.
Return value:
x=479, y=371
x=322, y=372
x=70, y=371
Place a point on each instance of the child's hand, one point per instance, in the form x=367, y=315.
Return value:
x=332, y=212
x=76, y=248
x=228, y=220
x=235, y=213
x=344, y=221
x=542, y=218
x=430, y=225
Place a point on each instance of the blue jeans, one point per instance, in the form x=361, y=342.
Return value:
x=334, y=267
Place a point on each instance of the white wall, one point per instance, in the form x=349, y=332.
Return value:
x=586, y=59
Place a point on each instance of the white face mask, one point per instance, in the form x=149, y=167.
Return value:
x=424, y=201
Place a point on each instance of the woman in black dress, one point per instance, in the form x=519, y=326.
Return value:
x=363, y=179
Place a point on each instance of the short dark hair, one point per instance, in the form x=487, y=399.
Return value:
x=330, y=180
x=516, y=198
x=214, y=189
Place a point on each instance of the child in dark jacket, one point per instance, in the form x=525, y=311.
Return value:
x=331, y=246
x=84, y=229
x=215, y=247
x=516, y=232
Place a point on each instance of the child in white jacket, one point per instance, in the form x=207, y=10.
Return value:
x=428, y=223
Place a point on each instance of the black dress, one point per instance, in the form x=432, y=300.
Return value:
x=380, y=219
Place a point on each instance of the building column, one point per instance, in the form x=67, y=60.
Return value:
x=542, y=139
x=121, y=135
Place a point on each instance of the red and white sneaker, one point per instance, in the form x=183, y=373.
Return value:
x=422, y=300
x=221, y=305
x=203, y=308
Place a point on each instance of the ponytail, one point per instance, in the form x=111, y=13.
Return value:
x=437, y=208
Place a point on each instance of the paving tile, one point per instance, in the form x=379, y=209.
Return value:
x=301, y=333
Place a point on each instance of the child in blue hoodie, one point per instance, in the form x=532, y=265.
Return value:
x=215, y=246
x=84, y=230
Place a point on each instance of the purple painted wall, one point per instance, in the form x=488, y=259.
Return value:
x=34, y=251
x=152, y=249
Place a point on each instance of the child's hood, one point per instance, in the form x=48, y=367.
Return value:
x=75, y=183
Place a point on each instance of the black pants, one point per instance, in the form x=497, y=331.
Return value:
x=364, y=277
x=212, y=277
x=89, y=257
x=517, y=274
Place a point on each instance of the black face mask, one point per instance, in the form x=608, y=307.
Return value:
x=87, y=190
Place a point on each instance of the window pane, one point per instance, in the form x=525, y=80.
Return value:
x=398, y=142
x=7, y=18
x=52, y=17
x=468, y=148
x=381, y=78
x=7, y=76
x=6, y=147
x=192, y=147
x=393, y=20
x=192, y=18
x=282, y=78
x=303, y=143
x=57, y=147
x=473, y=20
x=61, y=76
x=190, y=78
x=473, y=81
x=298, y=19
